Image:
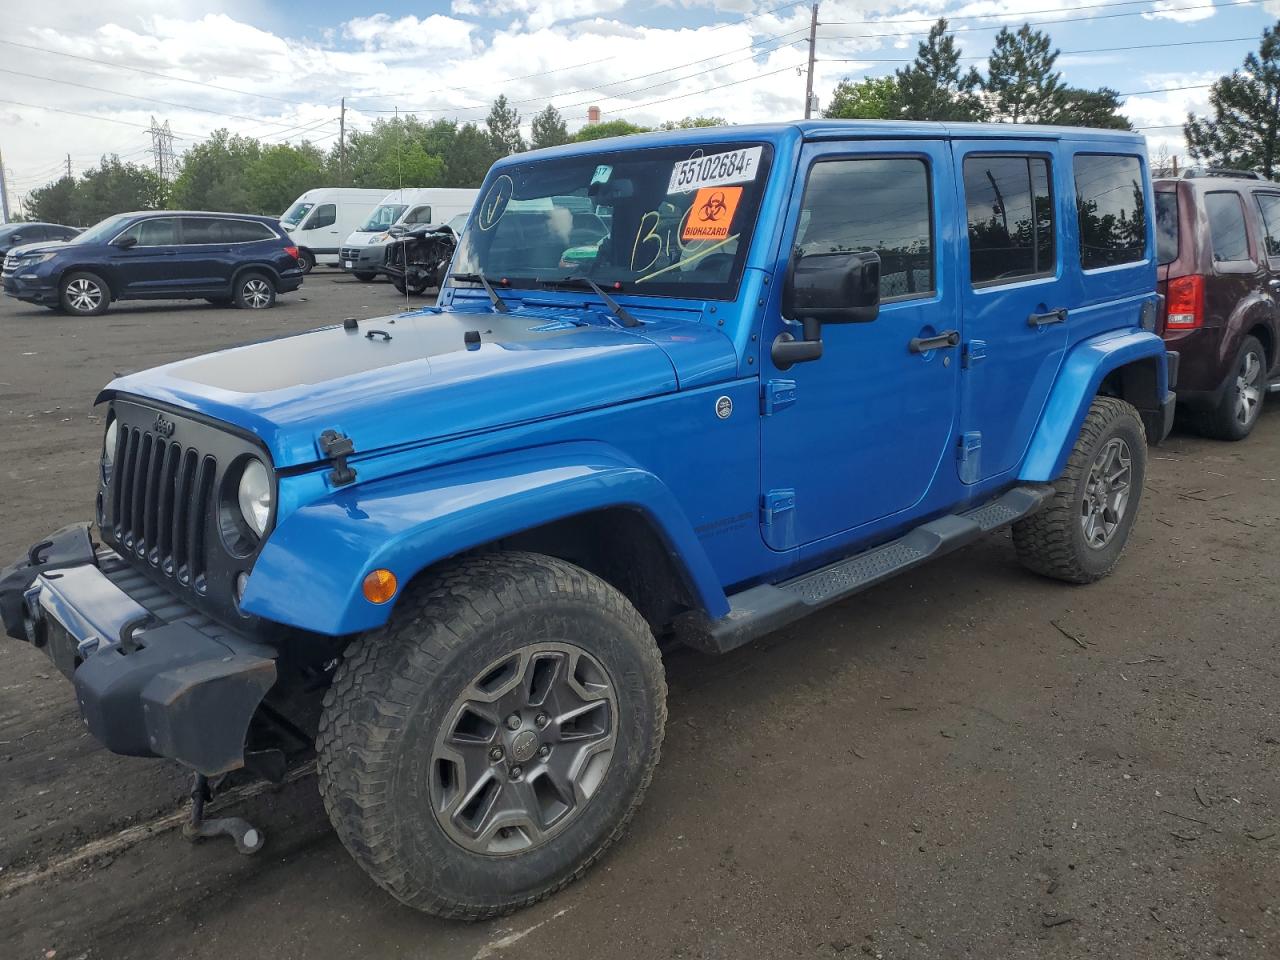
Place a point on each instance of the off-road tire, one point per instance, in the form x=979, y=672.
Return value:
x=254, y=291
x=1219, y=421
x=306, y=261
x=394, y=686
x=365, y=276
x=414, y=289
x=1051, y=541
x=67, y=290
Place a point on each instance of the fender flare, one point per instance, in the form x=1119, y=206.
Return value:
x=240, y=271
x=310, y=571
x=1086, y=365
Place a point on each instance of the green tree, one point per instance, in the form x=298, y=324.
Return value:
x=1021, y=84
x=1241, y=132
x=689, y=123
x=469, y=158
x=1089, y=108
x=874, y=98
x=549, y=129
x=114, y=187
x=213, y=174
x=55, y=203
x=392, y=153
x=933, y=87
x=610, y=128
x=503, y=124
x=281, y=174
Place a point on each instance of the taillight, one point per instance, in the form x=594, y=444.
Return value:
x=292, y=251
x=1185, y=303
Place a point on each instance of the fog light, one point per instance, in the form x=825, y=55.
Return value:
x=380, y=586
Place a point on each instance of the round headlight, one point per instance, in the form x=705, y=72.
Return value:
x=254, y=495
x=109, y=444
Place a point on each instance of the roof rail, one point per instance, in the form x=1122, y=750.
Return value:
x=1194, y=172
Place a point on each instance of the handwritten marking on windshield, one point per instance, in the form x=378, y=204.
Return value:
x=692, y=258
x=495, y=202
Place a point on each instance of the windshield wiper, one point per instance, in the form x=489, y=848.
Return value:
x=498, y=303
x=618, y=310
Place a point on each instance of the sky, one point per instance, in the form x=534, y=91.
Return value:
x=85, y=78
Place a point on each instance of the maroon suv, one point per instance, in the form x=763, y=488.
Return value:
x=1218, y=239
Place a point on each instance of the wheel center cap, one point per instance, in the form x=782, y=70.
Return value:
x=524, y=746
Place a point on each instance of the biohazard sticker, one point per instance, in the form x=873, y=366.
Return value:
x=711, y=214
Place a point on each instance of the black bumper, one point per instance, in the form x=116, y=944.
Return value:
x=146, y=688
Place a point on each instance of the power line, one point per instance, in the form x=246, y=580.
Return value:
x=1021, y=13
x=719, y=86
x=1065, y=53
x=89, y=116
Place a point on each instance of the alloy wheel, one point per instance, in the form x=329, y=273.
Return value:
x=1106, y=493
x=1248, y=388
x=523, y=748
x=84, y=295
x=256, y=293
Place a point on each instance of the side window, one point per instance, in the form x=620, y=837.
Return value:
x=1227, y=232
x=246, y=231
x=418, y=215
x=1269, y=206
x=1166, y=227
x=880, y=204
x=198, y=230
x=325, y=215
x=161, y=232
x=1010, y=212
x=1110, y=206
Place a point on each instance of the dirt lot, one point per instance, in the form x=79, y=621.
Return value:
x=968, y=761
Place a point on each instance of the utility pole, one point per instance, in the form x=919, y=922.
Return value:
x=68, y=166
x=4, y=194
x=342, y=144
x=808, y=83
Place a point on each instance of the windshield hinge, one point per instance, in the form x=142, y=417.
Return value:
x=337, y=447
x=777, y=394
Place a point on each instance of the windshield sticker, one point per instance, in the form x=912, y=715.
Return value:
x=602, y=174
x=495, y=201
x=717, y=170
x=711, y=214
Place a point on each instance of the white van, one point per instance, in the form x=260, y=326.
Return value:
x=318, y=220
x=365, y=251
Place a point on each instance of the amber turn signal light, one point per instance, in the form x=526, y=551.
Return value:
x=379, y=586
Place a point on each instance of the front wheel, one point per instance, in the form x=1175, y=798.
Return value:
x=484, y=748
x=84, y=294
x=1079, y=534
x=365, y=276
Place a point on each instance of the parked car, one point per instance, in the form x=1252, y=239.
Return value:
x=416, y=259
x=18, y=234
x=319, y=219
x=364, y=253
x=807, y=356
x=158, y=255
x=1219, y=251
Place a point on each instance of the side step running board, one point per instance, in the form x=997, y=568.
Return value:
x=765, y=608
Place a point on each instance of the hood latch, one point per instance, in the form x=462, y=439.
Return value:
x=337, y=447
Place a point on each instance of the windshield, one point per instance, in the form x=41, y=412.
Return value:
x=102, y=231
x=293, y=216
x=668, y=221
x=383, y=217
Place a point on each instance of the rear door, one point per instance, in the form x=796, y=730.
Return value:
x=1238, y=275
x=858, y=435
x=1014, y=296
x=207, y=258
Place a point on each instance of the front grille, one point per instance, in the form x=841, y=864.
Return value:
x=349, y=253
x=161, y=498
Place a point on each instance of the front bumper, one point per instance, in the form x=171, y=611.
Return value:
x=148, y=685
x=367, y=258
x=37, y=290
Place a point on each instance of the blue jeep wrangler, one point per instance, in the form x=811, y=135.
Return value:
x=686, y=387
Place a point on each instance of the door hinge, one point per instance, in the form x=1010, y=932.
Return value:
x=777, y=504
x=975, y=351
x=969, y=456
x=777, y=394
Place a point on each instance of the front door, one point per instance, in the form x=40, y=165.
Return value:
x=1014, y=296
x=150, y=267
x=858, y=435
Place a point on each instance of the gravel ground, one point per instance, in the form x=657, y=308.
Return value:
x=967, y=761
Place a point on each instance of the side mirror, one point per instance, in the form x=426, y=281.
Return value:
x=397, y=230
x=124, y=243
x=16, y=240
x=826, y=288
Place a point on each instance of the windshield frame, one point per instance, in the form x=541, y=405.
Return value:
x=470, y=258
x=303, y=207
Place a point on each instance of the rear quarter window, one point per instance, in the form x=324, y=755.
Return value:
x=1227, y=233
x=1111, y=208
x=1166, y=227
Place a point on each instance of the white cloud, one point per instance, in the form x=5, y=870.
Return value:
x=539, y=13
x=1180, y=11
x=408, y=34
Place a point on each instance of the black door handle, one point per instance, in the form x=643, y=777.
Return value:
x=947, y=338
x=1044, y=319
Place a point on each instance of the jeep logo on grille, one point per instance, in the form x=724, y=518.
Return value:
x=164, y=427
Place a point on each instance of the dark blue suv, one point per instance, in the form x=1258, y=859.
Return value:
x=158, y=255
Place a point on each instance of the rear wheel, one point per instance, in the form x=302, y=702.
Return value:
x=414, y=286
x=1236, y=413
x=1079, y=535
x=84, y=294
x=306, y=260
x=486, y=747
x=255, y=291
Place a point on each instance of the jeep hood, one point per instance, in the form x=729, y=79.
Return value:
x=413, y=378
